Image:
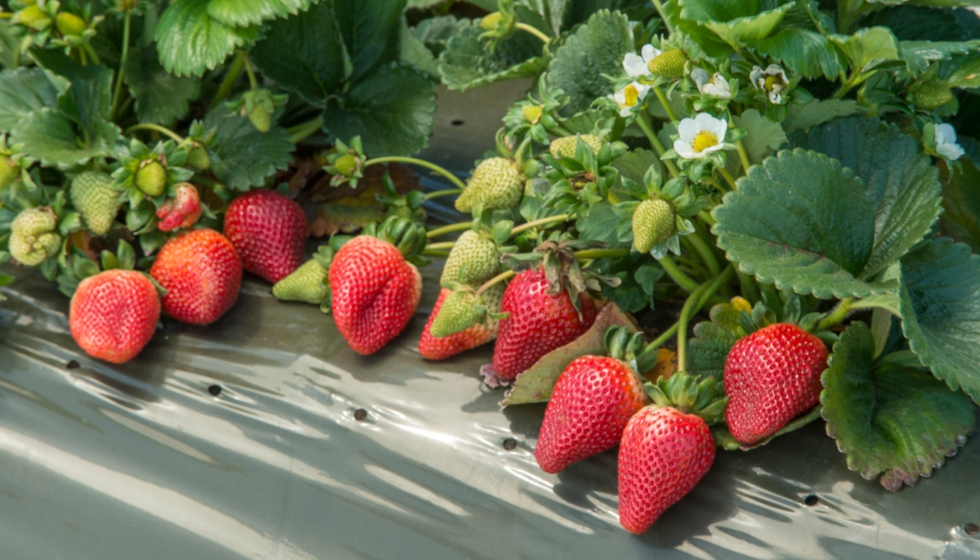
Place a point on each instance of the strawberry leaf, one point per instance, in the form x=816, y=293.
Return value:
x=390, y=109
x=24, y=91
x=242, y=13
x=887, y=417
x=807, y=51
x=737, y=22
x=50, y=137
x=161, y=97
x=940, y=303
x=535, y=384
x=961, y=204
x=304, y=54
x=241, y=156
x=805, y=117
x=762, y=136
x=88, y=101
x=713, y=339
x=372, y=33
x=468, y=63
x=191, y=42
x=902, y=182
x=603, y=41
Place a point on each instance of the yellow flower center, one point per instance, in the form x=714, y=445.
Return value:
x=632, y=95
x=773, y=81
x=704, y=140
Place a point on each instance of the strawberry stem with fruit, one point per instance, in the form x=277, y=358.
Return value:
x=506, y=275
x=422, y=163
x=156, y=128
x=303, y=131
x=447, y=192
x=677, y=275
x=663, y=101
x=836, y=315
x=533, y=31
x=541, y=222
x=231, y=77
x=462, y=226
x=644, y=124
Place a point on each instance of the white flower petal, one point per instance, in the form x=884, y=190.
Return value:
x=684, y=149
x=649, y=52
x=625, y=112
x=950, y=151
x=701, y=78
x=757, y=77
x=775, y=98
x=688, y=129
x=704, y=121
x=946, y=133
x=634, y=66
x=642, y=90
x=710, y=149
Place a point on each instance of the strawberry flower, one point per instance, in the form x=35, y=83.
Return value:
x=715, y=85
x=700, y=136
x=946, y=145
x=772, y=81
x=630, y=97
x=639, y=66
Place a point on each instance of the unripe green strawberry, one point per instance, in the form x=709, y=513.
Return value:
x=9, y=171
x=473, y=260
x=261, y=118
x=653, y=222
x=33, y=236
x=432, y=348
x=69, y=24
x=198, y=160
x=490, y=21
x=496, y=184
x=669, y=65
x=932, y=95
x=532, y=113
x=565, y=147
x=34, y=17
x=309, y=283
x=96, y=199
x=460, y=311
x=152, y=178
x=346, y=165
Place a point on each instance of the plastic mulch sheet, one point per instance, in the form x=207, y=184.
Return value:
x=249, y=439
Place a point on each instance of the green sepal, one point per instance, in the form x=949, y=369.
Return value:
x=701, y=397
x=625, y=345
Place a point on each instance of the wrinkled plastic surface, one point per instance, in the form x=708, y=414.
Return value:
x=143, y=461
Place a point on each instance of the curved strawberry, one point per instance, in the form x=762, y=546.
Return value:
x=113, y=314
x=268, y=230
x=432, y=348
x=375, y=291
x=202, y=275
x=771, y=377
x=538, y=323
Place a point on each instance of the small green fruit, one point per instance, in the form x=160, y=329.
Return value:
x=653, y=223
x=198, y=159
x=497, y=183
x=490, y=21
x=473, y=260
x=9, y=172
x=565, y=147
x=308, y=283
x=96, y=199
x=69, y=24
x=669, y=65
x=460, y=311
x=152, y=178
x=932, y=95
x=346, y=165
x=261, y=118
x=532, y=113
x=33, y=236
x=34, y=17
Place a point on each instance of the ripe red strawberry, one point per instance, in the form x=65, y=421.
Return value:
x=113, y=314
x=594, y=398
x=202, y=275
x=268, y=230
x=771, y=377
x=662, y=456
x=538, y=323
x=375, y=292
x=182, y=211
x=432, y=348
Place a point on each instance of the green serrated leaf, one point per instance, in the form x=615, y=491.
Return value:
x=634, y=165
x=919, y=23
x=391, y=110
x=191, y=42
x=370, y=29
x=888, y=418
x=535, y=384
x=242, y=13
x=50, y=137
x=603, y=41
x=26, y=90
x=805, y=117
x=807, y=52
x=468, y=63
x=304, y=54
x=762, y=136
x=241, y=156
x=600, y=224
x=961, y=202
x=708, y=350
x=902, y=184
x=868, y=48
x=88, y=101
x=940, y=304
x=967, y=73
x=161, y=97
x=919, y=55
x=748, y=28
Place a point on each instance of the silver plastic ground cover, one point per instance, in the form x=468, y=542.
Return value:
x=144, y=461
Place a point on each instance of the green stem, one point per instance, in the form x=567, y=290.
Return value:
x=91, y=53
x=655, y=143
x=750, y=290
x=462, y=226
x=117, y=95
x=677, y=275
x=663, y=101
x=837, y=315
x=434, y=253
x=742, y=155
x=704, y=215
x=447, y=192
x=728, y=177
x=714, y=183
x=422, y=163
x=440, y=246
x=496, y=280
x=541, y=222
x=601, y=253
x=303, y=131
x=228, y=84
x=703, y=293
x=535, y=32
x=559, y=130
x=156, y=128
x=663, y=16
x=251, y=72
x=707, y=256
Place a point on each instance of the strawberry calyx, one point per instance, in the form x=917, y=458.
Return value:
x=626, y=346
x=689, y=394
x=407, y=236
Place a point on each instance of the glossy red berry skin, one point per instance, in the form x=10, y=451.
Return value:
x=537, y=324
x=663, y=454
x=114, y=314
x=592, y=402
x=432, y=348
x=268, y=230
x=375, y=292
x=202, y=275
x=771, y=377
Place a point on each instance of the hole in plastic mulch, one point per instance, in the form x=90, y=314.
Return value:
x=811, y=500
x=360, y=414
x=215, y=390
